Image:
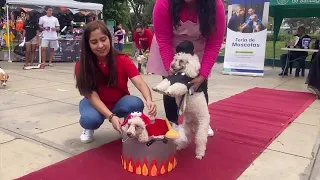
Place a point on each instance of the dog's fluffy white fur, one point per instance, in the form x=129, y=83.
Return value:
x=196, y=114
x=136, y=128
x=143, y=59
x=196, y=120
x=3, y=78
x=184, y=63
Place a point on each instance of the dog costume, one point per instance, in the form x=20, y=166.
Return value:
x=154, y=127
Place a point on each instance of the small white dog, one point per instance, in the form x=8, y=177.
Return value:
x=135, y=127
x=196, y=120
x=143, y=60
x=3, y=78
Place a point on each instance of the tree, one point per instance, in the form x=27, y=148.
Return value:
x=147, y=12
x=311, y=24
x=114, y=9
x=117, y=10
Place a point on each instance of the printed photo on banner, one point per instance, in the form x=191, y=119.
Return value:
x=247, y=18
x=246, y=37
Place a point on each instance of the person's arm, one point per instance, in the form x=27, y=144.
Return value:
x=119, y=32
x=136, y=41
x=139, y=83
x=94, y=98
x=134, y=76
x=57, y=25
x=149, y=36
x=41, y=23
x=38, y=29
x=214, y=42
x=163, y=30
x=24, y=31
x=99, y=105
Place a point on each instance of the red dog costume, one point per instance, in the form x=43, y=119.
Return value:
x=156, y=128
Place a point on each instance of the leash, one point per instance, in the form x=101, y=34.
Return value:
x=191, y=92
x=180, y=104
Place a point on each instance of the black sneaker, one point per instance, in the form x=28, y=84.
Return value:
x=284, y=74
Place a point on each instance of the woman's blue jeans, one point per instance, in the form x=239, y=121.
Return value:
x=119, y=46
x=92, y=119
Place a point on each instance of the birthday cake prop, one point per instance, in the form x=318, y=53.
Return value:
x=157, y=155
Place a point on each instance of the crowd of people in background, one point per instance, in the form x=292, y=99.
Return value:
x=47, y=27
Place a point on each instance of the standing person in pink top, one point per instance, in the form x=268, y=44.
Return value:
x=200, y=21
x=119, y=37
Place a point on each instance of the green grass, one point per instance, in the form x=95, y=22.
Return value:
x=127, y=49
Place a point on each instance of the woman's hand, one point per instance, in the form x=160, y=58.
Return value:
x=197, y=82
x=152, y=107
x=171, y=71
x=115, y=121
x=145, y=91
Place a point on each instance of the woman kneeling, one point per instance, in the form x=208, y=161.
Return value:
x=102, y=77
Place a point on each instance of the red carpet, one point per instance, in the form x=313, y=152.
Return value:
x=245, y=125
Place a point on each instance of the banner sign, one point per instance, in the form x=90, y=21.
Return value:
x=246, y=37
x=294, y=2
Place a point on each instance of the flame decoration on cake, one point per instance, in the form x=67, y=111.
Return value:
x=154, y=169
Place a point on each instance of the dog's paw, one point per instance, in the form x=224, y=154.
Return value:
x=178, y=148
x=199, y=157
x=158, y=89
x=168, y=92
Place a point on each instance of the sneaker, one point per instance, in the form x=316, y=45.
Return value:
x=284, y=74
x=210, y=131
x=42, y=66
x=86, y=136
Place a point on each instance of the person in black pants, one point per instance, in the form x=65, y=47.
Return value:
x=296, y=55
x=171, y=107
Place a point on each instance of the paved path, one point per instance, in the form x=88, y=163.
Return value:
x=39, y=122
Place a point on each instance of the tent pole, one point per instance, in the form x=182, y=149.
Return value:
x=274, y=53
x=8, y=33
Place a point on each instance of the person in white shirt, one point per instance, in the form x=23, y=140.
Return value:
x=49, y=26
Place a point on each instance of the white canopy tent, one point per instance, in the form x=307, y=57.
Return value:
x=74, y=7
x=58, y=3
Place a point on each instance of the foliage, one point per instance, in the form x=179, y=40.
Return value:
x=148, y=10
x=114, y=9
x=284, y=36
x=311, y=24
x=142, y=12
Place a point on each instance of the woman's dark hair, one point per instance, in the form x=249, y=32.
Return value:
x=48, y=7
x=138, y=26
x=89, y=75
x=33, y=17
x=206, y=10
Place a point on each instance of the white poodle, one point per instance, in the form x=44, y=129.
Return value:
x=143, y=59
x=135, y=127
x=196, y=120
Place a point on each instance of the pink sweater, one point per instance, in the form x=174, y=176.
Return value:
x=163, y=29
